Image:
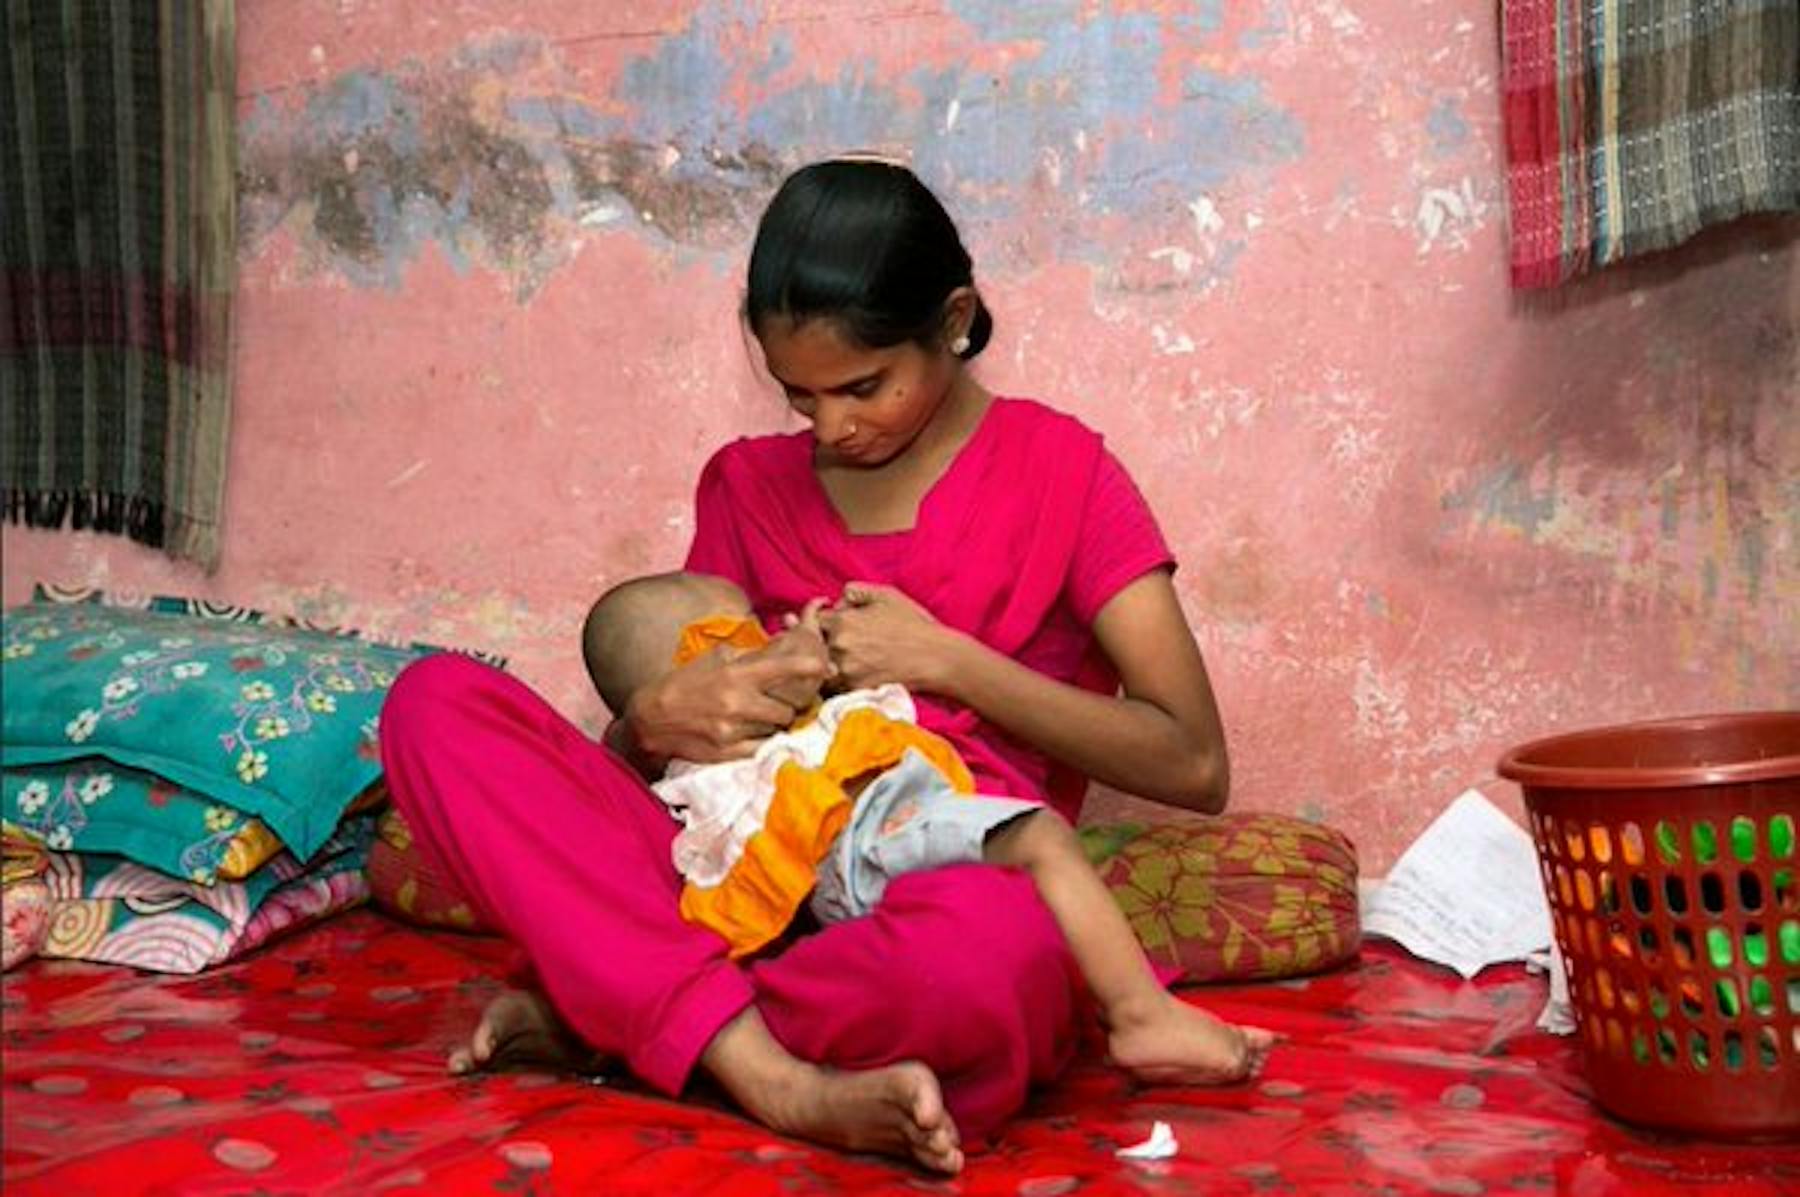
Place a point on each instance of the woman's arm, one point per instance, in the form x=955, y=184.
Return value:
x=1161, y=738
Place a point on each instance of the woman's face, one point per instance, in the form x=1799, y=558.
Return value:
x=866, y=405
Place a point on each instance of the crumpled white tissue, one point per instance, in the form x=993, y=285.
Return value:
x=1159, y=1146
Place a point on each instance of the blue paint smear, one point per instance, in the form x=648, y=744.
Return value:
x=265, y=119
x=1204, y=16
x=1505, y=497
x=1228, y=125
x=678, y=94
x=503, y=53
x=851, y=112
x=1096, y=77
x=1090, y=82
x=1671, y=509
x=1750, y=559
x=1043, y=20
x=1011, y=20
x=781, y=56
x=362, y=104
x=560, y=116
x=1448, y=131
x=1095, y=81
x=1274, y=28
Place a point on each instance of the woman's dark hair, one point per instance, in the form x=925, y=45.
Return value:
x=864, y=244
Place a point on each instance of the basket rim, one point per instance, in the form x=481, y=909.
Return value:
x=1516, y=765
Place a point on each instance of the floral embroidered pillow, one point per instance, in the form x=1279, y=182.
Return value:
x=1240, y=897
x=93, y=805
x=274, y=721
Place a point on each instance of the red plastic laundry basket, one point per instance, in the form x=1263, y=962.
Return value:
x=1669, y=859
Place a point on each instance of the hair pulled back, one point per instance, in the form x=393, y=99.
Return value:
x=864, y=244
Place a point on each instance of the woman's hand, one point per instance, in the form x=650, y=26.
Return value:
x=877, y=634
x=720, y=708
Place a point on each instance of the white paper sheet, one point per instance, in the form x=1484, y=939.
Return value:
x=1466, y=894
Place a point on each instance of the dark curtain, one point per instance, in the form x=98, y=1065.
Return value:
x=117, y=240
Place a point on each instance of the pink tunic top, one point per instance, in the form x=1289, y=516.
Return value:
x=1032, y=529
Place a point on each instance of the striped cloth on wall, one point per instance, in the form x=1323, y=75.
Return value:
x=1633, y=124
x=117, y=243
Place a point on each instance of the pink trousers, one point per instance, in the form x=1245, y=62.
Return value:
x=561, y=845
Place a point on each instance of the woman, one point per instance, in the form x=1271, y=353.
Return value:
x=990, y=555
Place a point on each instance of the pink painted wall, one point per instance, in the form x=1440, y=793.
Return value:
x=490, y=264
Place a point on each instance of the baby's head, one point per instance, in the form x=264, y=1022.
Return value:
x=632, y=633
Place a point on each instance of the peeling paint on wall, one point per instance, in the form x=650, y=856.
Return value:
x=1697, y=537
x=494, y=157
x=374, y=166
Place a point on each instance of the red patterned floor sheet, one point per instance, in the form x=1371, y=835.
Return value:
x=315, y=1067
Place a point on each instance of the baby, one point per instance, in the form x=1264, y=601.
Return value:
x=855, y=794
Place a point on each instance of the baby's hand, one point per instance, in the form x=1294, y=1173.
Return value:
x=808, y=618
x=801, y=637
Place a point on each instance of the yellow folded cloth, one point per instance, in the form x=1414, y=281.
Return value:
x=719, y=631
x=23, y=854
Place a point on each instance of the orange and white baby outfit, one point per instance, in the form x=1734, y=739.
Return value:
x=758, y=830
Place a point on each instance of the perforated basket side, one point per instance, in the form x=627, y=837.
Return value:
x=1678, y=917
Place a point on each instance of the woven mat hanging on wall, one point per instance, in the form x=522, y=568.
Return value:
x=117, y=240
x=1631, y=125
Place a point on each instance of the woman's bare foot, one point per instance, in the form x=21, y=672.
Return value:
x=896, y=1110
x=1166, y=1041
x=520, y=1027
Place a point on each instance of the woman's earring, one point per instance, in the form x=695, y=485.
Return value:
x=960, y=346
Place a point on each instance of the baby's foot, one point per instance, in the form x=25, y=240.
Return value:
x=1171, y=1042
x=518, y=1028
x=897, y=1110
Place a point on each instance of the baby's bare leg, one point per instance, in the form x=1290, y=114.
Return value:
x=1151, y=1033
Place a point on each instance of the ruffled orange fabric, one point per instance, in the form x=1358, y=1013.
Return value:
x=759, y=897
x=867, y=741
x=719, y=631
